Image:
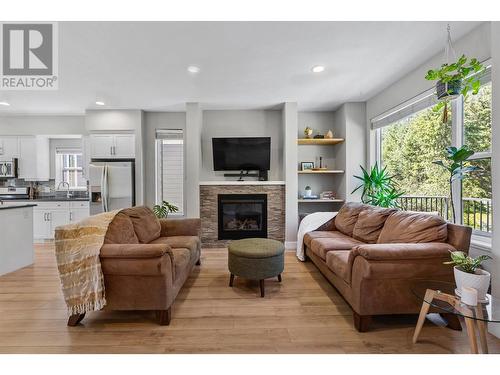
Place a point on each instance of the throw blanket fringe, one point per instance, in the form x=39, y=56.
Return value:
x=308, y=224
x=77, y=254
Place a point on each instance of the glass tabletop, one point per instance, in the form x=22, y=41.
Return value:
x=488, y=311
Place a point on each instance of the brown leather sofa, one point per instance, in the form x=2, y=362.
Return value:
x=372, y=256
x=145, y=261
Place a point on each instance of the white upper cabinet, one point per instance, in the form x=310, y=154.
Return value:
x=9, y=147
x=34, y=158
x=124, y=146
x=112, y=146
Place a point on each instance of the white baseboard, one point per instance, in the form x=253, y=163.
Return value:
x=289, y=245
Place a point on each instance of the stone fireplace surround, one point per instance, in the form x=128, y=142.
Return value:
x=209, y=191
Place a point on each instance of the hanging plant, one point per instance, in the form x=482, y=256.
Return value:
x=454, y=79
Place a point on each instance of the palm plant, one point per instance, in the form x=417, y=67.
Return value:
x=162, y=211
x=378, y=187
x=456, y=167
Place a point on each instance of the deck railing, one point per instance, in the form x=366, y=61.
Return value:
x=477, y=212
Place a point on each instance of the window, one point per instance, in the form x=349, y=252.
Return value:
x=170, y=168
x=411, y=137
x=476, y=192
x=69, y=169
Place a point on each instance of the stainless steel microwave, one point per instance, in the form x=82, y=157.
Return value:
x=8, y=168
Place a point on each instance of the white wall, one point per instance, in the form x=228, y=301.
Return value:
x=495, y=169
x=194, y=121
x=289, y=125
x=122, y=120
x=42, y=125
x=234, y=123
x=475, y=44
x=154, y=121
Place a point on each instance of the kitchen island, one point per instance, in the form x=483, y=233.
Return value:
x=16, y=232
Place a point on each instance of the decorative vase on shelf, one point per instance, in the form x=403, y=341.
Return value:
x=308, y=132
x=329, y=134
x=308, y=191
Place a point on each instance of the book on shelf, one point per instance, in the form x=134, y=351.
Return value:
x=311, y=197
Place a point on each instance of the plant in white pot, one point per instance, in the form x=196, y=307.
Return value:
x=469, y=274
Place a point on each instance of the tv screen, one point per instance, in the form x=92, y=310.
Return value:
x=242, y=154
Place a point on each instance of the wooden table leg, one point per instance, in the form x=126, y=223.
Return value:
x=471, y=332
x=231, y=280
x=429, y=295
x=261, y=283
x=481, y=326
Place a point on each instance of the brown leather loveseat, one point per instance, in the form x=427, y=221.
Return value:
x=145, y=261
x=372, y=255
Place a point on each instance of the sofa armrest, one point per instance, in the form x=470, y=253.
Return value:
x=180, y=227
x=403, y=251
x=134, y=251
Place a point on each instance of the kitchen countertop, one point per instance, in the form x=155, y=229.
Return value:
x=7, y=206
x=48, y=199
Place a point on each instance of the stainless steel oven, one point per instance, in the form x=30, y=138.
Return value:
x=8, y=168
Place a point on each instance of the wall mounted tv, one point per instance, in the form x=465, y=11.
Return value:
x=242, y=154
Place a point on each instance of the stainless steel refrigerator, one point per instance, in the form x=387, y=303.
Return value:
x=111, y=184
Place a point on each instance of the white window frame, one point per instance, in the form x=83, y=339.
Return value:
x=457, y=136
x=161, y=134
x=59, y=169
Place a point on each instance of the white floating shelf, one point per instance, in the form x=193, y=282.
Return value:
x=324, y=171
x=320, y=200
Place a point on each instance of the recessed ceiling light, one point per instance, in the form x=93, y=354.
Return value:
x=318, y=68
x=193, y=69
x=5, y=104
x=99, y=103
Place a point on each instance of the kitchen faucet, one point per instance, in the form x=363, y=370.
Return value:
x=68, y=194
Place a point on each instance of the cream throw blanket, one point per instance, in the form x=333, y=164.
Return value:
x=308, y=224
x=77, y=254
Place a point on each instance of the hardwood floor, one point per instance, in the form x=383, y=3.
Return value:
x=302, y=314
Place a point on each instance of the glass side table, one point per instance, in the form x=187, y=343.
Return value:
x=441, y=296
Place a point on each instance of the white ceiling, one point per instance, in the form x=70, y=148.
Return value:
x=142, y=65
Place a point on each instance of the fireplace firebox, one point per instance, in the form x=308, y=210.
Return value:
x=242, y=216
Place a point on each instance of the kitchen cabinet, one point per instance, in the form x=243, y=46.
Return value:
x=47, y=216
x=112, y=146
x=9, y=147
x=34, y=158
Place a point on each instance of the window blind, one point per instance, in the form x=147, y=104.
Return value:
x=170, y=183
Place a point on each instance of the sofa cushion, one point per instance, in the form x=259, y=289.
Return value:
x=405, y=227
x=308, y=237
x=121, y=231
x=191, y=243
x=370, y=223
x=146, y=225
x=347, y=217
x=338, y=241
x=338, y=262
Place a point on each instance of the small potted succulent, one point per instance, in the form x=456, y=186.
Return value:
x=454, y=79
x=308, y=191
x=469, y=274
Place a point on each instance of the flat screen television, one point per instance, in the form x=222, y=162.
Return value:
x=242, y=154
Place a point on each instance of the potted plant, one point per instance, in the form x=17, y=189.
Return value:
x=379, y=188
x=308, y=191
x=468, y=273
x=458, y=170
x=454, y=79
x=162, y=211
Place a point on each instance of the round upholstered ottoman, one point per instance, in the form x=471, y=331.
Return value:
x=256, y=259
